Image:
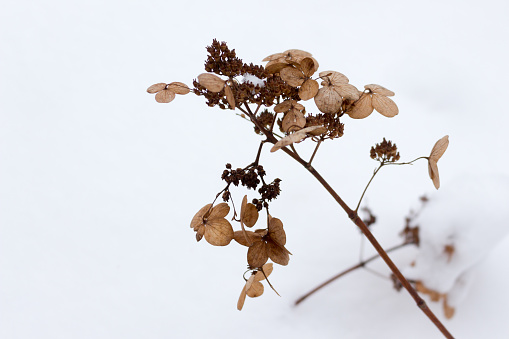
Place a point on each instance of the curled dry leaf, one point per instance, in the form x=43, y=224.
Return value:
x=211, y=82
x=253, y=288
x=211, y=223
x=436, y=153
x=295, y=137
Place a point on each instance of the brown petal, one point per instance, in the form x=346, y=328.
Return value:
x=165, y=96
x=348, y=91
x=198, y=217
x=219, y=211
x=335, y=78
x=328, y=100
x=257, y=254
x=275, y=67
x=251, y=215
x=255, y=290
x=439, y=148
x=296, y=54
x=229, y=96
x=274, y=57
x=293, y=138
x=252, y=237
x=218, y=232
x=283, y=106
x=267, y=269
x=292, y=76
x=362, y=108
x=242, y=299
x=308, y=89
x=384, y=105
x=211, y=82
x=294, y=119
x=433, y=173
x=379, y=90
x=179, y=88
x=156, y=88
x=278, y=254
x=307, y=65
x=276, y=231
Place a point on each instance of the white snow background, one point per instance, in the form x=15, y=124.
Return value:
x=98, y=182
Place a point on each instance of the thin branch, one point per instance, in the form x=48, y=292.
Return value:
x=314, y=152
x=369, y=182
x=345, y=272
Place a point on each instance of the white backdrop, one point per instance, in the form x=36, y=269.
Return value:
x=98, y=182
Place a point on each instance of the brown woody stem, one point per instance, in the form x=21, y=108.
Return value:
x=362, y=226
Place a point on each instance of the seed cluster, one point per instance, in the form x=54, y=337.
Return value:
x=384, y=152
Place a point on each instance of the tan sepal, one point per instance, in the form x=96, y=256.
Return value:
x=283, y=106
x=211, y=82
x=242, y=299
x=251, y=215
x=328, y=100
x=178, y=88
x=156, y=88
x=198, y=217
x=348, y=91
x=335, y=78
x=293, y=138
x=267, y=269
x=257, y=254
x=433, y=173
x=292, y=76
x=219, y=211
x=275, y=67
x=379, y=90
x=276, y=231
x=229, y=96
x=439, y=148
x=293, y=120
x=255, y=290
x=318, y=131
x=307, y=65
x=308, y=89
x=448, y=309
x=247, y=238
x=218, y=232
x=278, y=253
x=384, y=105
x=165, y=96
x=362, y=108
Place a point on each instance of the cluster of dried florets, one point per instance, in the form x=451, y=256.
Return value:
x=384, y=152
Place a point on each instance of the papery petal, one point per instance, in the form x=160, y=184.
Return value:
x=384, y=105
x=218, y=232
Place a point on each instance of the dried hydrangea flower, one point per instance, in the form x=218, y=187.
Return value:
x=278, y=61
x=211, y=223
x=335, y=88
x=294, y=117
x=166, y=92
x=253, y=287
x=300, y=75
x=376, y=98
x=265, y=244
x=436, y=153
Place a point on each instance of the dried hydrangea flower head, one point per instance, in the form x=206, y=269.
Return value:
x=385, y=152
x=264, y=244
x=253, y=287
x=376, y=98
x=210, y=222
x=335, y=88
x=436, y=153
x=166, y=92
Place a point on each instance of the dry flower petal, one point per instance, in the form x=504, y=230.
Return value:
x=276, y=231
x=248, y=213
x=252, y=237
x=292, y=76
x=178, y=88
x=219, y=211
x=165, y=96
x=257, y=254
x=293, y=138
x=211, y=82
x=294, y=119
x=307, y=65
x=255, y=290
x=328, y=100
x=284, y=106
x=156, y=88
x=335, y=78
x=229, y=96
x=348, y=91
x=439, y=148
x=433, y=173
x=308, y=89
x=218, y=232
x=267, y=269
x=242, y=299
x=275, y=67
x=198, y=217
x=379, y=90
x=384, y=105
x=362, y=108
x=278, y=254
